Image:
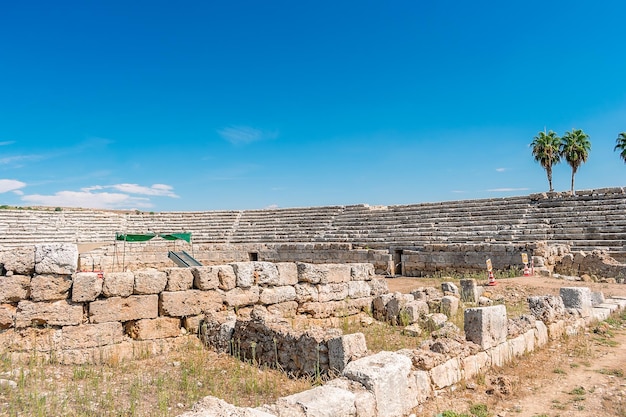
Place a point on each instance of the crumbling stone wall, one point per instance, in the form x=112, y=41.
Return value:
x=49, y=306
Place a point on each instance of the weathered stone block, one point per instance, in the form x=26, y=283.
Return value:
x=322, y=401
x=556, y=329
x=306, y=292
x=469, y=290
x=189, y=303
x=149, y=281
x=361, y=272
x=87, y=286
x=486, y=326
x=379, y=306
x=386, y=375
x=91, y=335
x=159, y=328
x=597, y=298
x=344, y=349
x=14, y=288
x=578, y=298
x=238, y=297
x=500, y=354
x=379, y=286
x=450, y=288
x=244, y=272
x=358, y=289
x=434, y=321
x=396, y=304
x=266, y=273
x=134, y=307
x=118, y=284
x=332, y=292
x=50, y=287
x=363, y=399
x=192, y=323
x=541, y=333
x=56, y=258
x=423, y=388
x=323, y=274
x=19, y=261
x=7, y=316
x=287, y=273
x=179, y=279
x=446, y=374
x=57, y=313
x=208, y=277
x=414, y=310
x=475, y=364
x=286, y=309
x=547, y=308
x=275, y=295
x=449, y=305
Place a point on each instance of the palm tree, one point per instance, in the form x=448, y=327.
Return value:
x=575, y=147
x=546, y=150
x=620, y=144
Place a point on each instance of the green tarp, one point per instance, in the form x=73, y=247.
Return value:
x=145, y=237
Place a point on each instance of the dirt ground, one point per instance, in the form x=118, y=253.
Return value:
x=577, y=376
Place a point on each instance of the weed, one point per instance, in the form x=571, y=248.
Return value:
x=578, y=391
x=479, y=410
x=613, y=372
x=559, y=371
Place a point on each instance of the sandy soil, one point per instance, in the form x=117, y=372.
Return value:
x=578, y=376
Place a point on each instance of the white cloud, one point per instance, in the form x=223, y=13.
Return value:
x=500, y=169
x=505, y=190
x=161, y=190
x=88, y=199
x=243, y=135
x=11, y=185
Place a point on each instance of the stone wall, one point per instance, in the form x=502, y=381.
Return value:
x=49, y=306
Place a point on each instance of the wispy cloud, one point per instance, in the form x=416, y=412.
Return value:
x=13, y=159
x=7, y=142
x=506, y=190
x=500, y=169
x=10, y=185
x=88, y=199
x=128, y=196
x=243, y=135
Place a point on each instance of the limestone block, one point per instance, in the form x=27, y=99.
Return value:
x=475, y=364
x=32, y=340
x=500, y=354
x=217, y=330
x=363, y=399
x=358, y=289
x=556, y=329
x=322, y=401
x=149, y=281
x=597, y=298
x=450, y=288
x=50, y=287
x=423, y=388
x=547, y=308
x=486, y=326
x=287, y=273
x=449, y=305
x=306, y=292
x=361, y=272
x=469, y=290
x=446, y=374
x=344, y=349
x=517, y=346
x=159, y=328
x=215, y=407
x=599, y=313
x=434, y=321
x=244, y=273
x=327, y=309
x=87, y=286
x=379, y=305
x=577, y=298
x=14, y=288
x=323, y=274
x=189, y=303
x=379, y=286
x=91, y=335
x=19, y=261
x=286, y=309
x=413, y=311
x=266, y=273
x=332, y=292
x=239, y=297
x=56, y=258
x=529, y=340
x=178, y=279
x=412, y=330
x=118, y=284
x=386, y=375
x=56, y=313
x=207, y=277
x=395, y=305
x=275, y=295
x=541, y=333
x=134, y=307
x=7, y=316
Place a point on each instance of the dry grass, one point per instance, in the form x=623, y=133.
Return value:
x=159, y=386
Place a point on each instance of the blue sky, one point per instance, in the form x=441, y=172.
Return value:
x=205, y=105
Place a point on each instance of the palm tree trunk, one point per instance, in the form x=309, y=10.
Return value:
x=549, y=172
x=573, y=173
